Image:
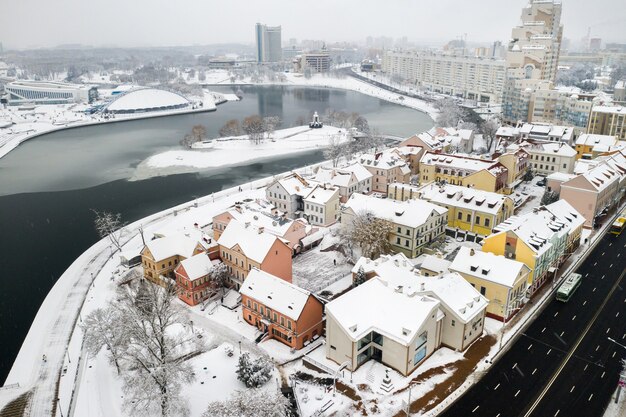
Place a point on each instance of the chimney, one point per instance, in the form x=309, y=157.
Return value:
x=261, y=229
x=472, y=252
x=238, y=208
x=423, y=287
x=247, y=224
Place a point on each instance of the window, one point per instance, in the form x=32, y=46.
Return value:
x=483, y=290
x=452, y=323
x=460, y=216
x=282, y=321
x=478, y=220
x=469, y=218
x=486, y=221
x=419, y=355
x=289, y=324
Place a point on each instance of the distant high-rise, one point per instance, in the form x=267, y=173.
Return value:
x=268, y=43
x=532, y=57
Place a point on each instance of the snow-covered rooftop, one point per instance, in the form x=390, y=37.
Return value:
x=322, y=194
x=463, y=197
x=590, y=139
x=435, y=264
x=387, y=159
x=294, y=184
x=197, y=266
x=147, y=99
x=411, y=213
x=487, y=266
x=169, y=246
x=254, y=243
x=275, y=293
x=456, y=162
x=259, y=214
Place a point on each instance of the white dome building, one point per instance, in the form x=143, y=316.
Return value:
x=146, y=100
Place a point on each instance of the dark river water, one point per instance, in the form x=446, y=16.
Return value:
x=49, y=185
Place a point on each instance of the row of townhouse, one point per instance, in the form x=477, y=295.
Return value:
x=415, y=223
x=596, y=190
x=400, y=317
x=442, y=139
x=546, y=158
x=386, y=167
x=540, y=132
x=541, y=239
x=353, y=178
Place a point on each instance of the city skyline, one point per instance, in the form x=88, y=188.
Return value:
x=193, y=23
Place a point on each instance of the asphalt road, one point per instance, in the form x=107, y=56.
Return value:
x=563, y=364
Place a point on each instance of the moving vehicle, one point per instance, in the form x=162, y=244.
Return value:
x=567, y=289
x=619, y=224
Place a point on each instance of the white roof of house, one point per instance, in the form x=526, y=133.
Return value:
x=609, y=109
x=507, y=131
x=322, y=195
x=375, y=305
x=387, y=159
x=435, y=264
x=609, y=170
x=463, y=197
x=147, y=98
x=550, y=148
x=197, y=266
x=411, y=213
x=590, y=139
x=334, y=177
x=254, y=244
x=259, y=214
x=487, y=266
x=294, y=184
x=560, y=176
x=169, y=246
x=361, y=173
x=457, y=162
x=275, y=293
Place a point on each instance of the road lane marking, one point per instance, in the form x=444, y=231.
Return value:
x=617, y=314
x=574, y=347
x=585, y=302
x=517, y=393
x=594, y=289
x=573, y=386
x=610, y=266
x=544, y=329
x=514, y=365
x=497, y=386
x=574, y=318
x=602, y=376
x=474, y=410
x=602, y=254
x=550, y=350
x=562, y=333
x=608, y=330
x=535, y=370
x=602, y=277
x=557, y=412
x=590, y=397
x=595, y=263
x=556, y=314
x=586, y=366
x=597, y=347
x=529, y=346
x=613, y=355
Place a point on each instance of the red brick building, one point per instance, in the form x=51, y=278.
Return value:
x=284, y=311
x=192, y=278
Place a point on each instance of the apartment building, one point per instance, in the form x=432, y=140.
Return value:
x=193, y=279
x=415, y=222
x=386, y=167
x=538, y=132
x=542, y=240
x=469, y=209
x=321, y=206
x=282, y=311
x=287, y=194
x=500, y=280
x=473, y=78
x=354, y=178
x=608, y=120
x=243, y=247
x=400, y=317
x=594, y=192
x=546, y=158
x=482, y=174
x=161, y=256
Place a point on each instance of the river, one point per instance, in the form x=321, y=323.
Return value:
x=48, y=185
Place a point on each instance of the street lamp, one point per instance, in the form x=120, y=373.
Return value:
x=408, y=406
x=191, y=324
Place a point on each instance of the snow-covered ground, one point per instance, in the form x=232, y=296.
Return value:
x=239, y=149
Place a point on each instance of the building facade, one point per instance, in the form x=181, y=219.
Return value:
x=608, y=120
x=268, y=43
x=48, y=92
x=160, y=257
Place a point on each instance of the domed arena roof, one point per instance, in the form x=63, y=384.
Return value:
x=147, y=100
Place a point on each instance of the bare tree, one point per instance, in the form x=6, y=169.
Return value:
x=231, y=128
x=251, y=403
x=154, y=350
x=361, y=124
x=110, y=225
x=198, y=132
x=450, y=114
x=489, y=128
x=271, y=123
x=335, y=149
x=102, y=329
x=371, y=234
x=254, y=128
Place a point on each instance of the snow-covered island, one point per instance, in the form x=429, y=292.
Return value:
x=236, y=150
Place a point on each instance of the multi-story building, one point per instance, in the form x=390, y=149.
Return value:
x=287, y=194
x=473, y=78
x=502, y=281
x=350, y=179
x=281, y=310
x=386, y=167
x=590, y=146
x=541, y=239
x=400, y=317
x=261, y=215
x=415, y=223
x=482, y=174
x=546, y=158
x=268, y=43
x=532, y=57
x=161, y=256
x=469, y=209
x=193, y=279
x=321, y=206
x=243, y=247
x=48, y=92
x=608, y=120
x=516, y=162
x=595, y=191
x=316, y=62
x=548, y=133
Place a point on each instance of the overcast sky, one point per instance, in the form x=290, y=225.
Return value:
x=37, y=23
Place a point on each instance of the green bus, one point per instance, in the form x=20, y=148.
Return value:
x=567, y=289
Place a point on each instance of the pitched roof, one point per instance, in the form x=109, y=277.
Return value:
x=169, y=246
x=411, y=213
x=197, y=266
x=295, y=184
x=253, y=243
x=463, y=197
x=457, y=162
x=275, y=293
x=487, y=266
x=322, y=194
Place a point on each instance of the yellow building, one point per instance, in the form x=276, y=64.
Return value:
x=487, y=175
x=516, y=163
x=469, y=209
x=608, y=120
x=502, y=281
x=160, y=256
x=589, y=146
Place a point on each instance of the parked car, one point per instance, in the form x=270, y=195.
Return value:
x=542, y=182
